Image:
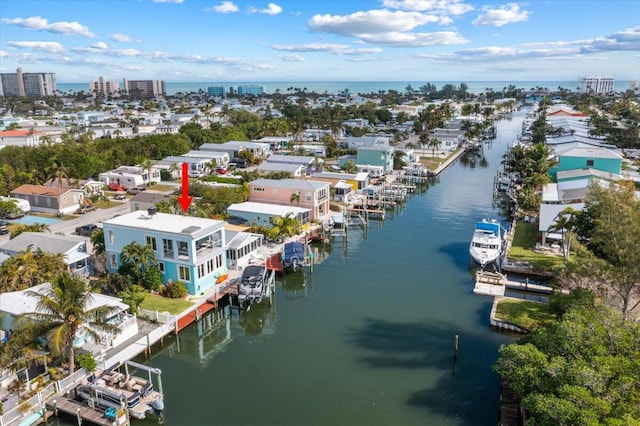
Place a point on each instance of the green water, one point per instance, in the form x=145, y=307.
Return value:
x=368, y=339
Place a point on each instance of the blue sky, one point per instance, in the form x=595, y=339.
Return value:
x=321, y=40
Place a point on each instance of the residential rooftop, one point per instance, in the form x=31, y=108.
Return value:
x=165, y=222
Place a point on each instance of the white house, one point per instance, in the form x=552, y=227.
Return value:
x=130, y=176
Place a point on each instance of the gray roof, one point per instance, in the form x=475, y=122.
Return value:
x=293, y=159
x=236, y=240
x=279, y=167
x=591, y=152
x=150, y=197
x=299, y=184
x=50, y=243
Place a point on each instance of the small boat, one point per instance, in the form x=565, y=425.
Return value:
x=252, y=286
x=114, y=390
x=486, y=244
x=293, y=255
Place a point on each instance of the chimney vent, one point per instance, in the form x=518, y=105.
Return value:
x=151, y=211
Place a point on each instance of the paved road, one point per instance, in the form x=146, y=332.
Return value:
x=97, y=217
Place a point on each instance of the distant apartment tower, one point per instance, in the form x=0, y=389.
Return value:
x=599, y=85
x=144, y=89
x=634, y=86
x=104, y=87
x=251, y=89
x=217, y=90
x=32, y=85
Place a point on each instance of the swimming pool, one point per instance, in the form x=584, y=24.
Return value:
x=32, y=219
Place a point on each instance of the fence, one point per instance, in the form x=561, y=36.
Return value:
x=159, y=317
x=28, y=408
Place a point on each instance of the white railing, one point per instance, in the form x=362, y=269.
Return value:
x=159, y=317
x=28, y=407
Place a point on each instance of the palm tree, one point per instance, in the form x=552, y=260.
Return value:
x=564, y=223
x=433, y=143
x=295, y=197
x=97, y=240
x=133, y=296
x=147, y=165
x=350, y=167
x=64, y=309
x=284, y=226
x=28, y=268
x=138, y=255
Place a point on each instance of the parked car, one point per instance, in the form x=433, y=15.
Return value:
x=3, y=227
x=120, y=197
x=221, y=170
x=136, y=190
x=114, y=186
x=86, y=230
x=85, y=209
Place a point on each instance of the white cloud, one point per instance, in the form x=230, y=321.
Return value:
x=447, y=7
x=100, y=45
x=122, y=38
x=336, y=49
x=224, y=7
x=41, y=24
x=371, y=22
x=441, y=38
x=272, y=9
x=3, y=53
x=497, y=54
x=507, y=14
x=292, y=58
x=47, y=46
x=168, y=1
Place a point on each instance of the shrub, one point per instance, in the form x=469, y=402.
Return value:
x=175, y=290
x=87, y=361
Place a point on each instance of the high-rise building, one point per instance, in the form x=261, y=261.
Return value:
x=144, y=89
x=597, y=84
x=634, y=85
x=217, y=90
x=250, y=89
x=32, y=85
x=104, y=87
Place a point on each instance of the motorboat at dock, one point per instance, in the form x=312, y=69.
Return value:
x=486, y=243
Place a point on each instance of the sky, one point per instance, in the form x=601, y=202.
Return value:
x=321, y=40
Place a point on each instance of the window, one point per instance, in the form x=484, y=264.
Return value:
x=183, y=249
x=201, y=270
x=161, y=267
x=112, y=237
x=184, y=274
x=167, y=248
x=151, y=241
x=589, y=163
x=258, y=189
x=113, y=260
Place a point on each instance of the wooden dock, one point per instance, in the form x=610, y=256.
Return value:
x=495, y=284
x=81, y=411
x=274, y=263
x=210, y=304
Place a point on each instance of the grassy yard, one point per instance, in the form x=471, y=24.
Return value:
x=108, y=204
x=524, y=313
x=524, y=240
x=163, y=187
x=153, y=302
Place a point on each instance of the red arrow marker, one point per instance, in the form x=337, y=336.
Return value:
x=185, y=200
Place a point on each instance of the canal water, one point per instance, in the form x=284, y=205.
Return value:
x=368, y=339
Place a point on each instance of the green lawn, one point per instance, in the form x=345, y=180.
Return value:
x=522, y=246
x=524, y=313
x=162, y=187
x=153, y=302
x=107, y=204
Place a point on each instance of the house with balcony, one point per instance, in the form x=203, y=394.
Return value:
x=16, y=303
x=50, y=199
x=73, y=248
x=374, y=157
x=190, y=250
x=305, y=193
x=590, y=157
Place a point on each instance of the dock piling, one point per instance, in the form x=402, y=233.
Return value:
x=455, y=347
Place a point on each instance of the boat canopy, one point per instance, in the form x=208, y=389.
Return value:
x=489, y=226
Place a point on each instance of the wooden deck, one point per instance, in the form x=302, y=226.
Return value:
x=198, y=311
x=274, y=263
x=80, y=409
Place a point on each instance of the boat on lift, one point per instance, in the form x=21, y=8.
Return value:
x=486, y=243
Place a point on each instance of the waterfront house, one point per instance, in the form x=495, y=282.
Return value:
x=72, y=247
x=557, y=197
x=16, y=303
x=190, y=250
x=357, y=180
x=371, y=157
x=243, y=248
x=264, y=215
x=597, y=158
x=130, y=176
x=310, y=194
x=50, y=199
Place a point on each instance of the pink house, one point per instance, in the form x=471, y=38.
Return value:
x=310, y=194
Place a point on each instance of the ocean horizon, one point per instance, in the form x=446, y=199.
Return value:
x=354, y=87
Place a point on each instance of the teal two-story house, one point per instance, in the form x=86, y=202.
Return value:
x=376, y=156
x=189, y=250
x=586, y=159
